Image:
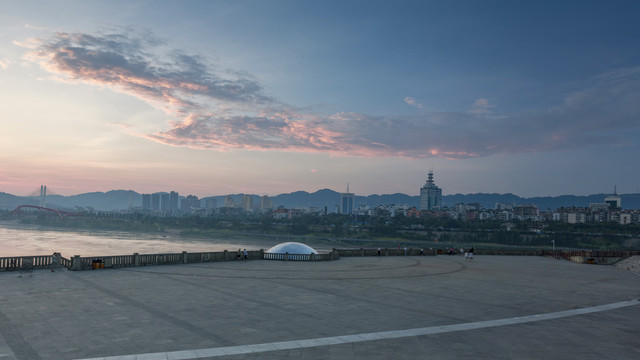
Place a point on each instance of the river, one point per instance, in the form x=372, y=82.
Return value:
x=21, y=240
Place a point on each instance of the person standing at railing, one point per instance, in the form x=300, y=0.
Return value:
x=246, y=255
x=54, y=261
x=238, y=254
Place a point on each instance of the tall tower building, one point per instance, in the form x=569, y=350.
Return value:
x=430, y=195
x=346, y=202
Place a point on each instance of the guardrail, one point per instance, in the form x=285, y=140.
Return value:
x=302, y=257
x=116, y=261
x=30, y=262
x=384, y=252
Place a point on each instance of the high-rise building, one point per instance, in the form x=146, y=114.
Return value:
x=430, y=195
x=174, y=198
x=155, y=201
x=192, y=203
x=211, y=203
x=247, y=202
x=347, y=201
x=265, y=203
x=146, y=201
x=614, y=201
x=165, y=201
x=228, y=202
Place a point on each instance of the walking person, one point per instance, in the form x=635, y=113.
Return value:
x=379, y=251
x=239, y=254
x=246, y=255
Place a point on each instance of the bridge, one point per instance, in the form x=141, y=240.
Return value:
x=43, y=196
x=60, y=213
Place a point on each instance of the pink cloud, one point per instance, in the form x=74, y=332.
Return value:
x=216, y=110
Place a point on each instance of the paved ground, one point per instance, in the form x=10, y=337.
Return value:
x=631, y=264
x=354, y=308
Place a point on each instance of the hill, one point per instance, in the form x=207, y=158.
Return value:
x=120, y=200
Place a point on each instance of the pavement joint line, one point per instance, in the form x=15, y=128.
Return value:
x=347, y=339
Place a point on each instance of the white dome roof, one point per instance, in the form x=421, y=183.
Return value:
x=291, y=248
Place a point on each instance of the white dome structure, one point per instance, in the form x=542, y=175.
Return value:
x=292, y=248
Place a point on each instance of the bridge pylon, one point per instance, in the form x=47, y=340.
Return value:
x=43, y=195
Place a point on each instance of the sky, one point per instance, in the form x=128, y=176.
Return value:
x=534, y=98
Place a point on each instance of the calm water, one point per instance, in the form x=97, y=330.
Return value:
x=17, y=240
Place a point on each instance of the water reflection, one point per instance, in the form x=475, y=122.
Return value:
x=17, y=239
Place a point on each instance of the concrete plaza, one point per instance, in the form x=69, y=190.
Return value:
x=435, y=307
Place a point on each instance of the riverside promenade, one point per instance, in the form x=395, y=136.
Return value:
x=414, y=307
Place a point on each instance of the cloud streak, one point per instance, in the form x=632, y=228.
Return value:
x=411, y=101
x=220, y=110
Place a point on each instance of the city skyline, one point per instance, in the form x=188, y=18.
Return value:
x=221, y=97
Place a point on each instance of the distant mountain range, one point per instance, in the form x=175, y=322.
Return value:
x=121, y=199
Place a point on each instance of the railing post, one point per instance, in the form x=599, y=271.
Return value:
x=136, y=259
x=261, y=254
x=184, y=257
x=76, y=263
x=225, y=255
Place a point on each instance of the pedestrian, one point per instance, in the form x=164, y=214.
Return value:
x=238, y=254
x=405, y=251
x=470, y=254
x=54, y=261
x=421, y=252
x=378, y=251
x=246, y=255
